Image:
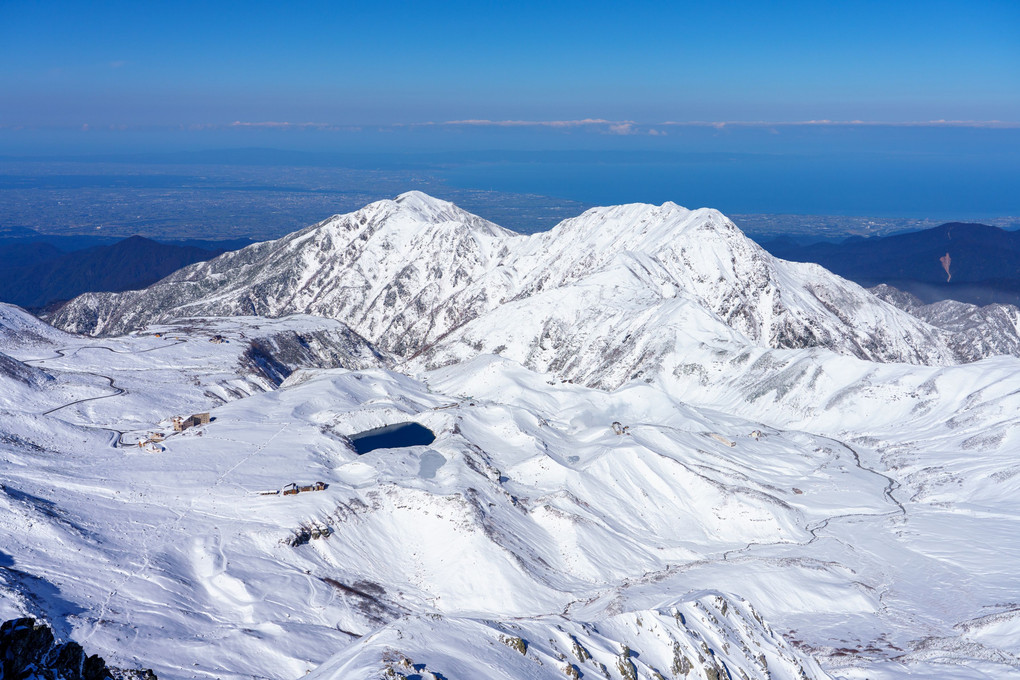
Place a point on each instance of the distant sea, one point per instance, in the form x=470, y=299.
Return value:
x=523, y=178
x=874, y=184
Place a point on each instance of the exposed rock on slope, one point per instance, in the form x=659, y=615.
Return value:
x=13, y=369
x=412, y=274
x=372, y=269
x=28, y=650
x=976, y=332
x=20, y=383
x=711, y=636
x=279, y=354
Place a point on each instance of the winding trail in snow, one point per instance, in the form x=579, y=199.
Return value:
x=62, y=353
x=814, y=529
x=615, y=591
x=118, y=391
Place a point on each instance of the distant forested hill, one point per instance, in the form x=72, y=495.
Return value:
x=983, y=262
x=35, y=274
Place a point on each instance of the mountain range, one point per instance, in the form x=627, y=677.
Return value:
x=660, y=452
x=410, y=272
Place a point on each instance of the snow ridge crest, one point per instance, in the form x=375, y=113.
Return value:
x=421, y=277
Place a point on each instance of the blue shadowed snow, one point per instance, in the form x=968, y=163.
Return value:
x=392, y=436
x=429, y=463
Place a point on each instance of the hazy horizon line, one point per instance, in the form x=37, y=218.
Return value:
x=606, y=126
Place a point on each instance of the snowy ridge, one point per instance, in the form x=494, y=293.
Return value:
x=977, y=332
x=710, y=636
x=636, y=414
x=407, y=273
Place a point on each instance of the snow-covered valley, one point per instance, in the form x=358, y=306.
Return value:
x=659, y=453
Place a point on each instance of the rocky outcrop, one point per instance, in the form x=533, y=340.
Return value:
x=28, y=650
x=23, y=373
x=276, y=356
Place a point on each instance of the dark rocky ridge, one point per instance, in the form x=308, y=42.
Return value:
x=276, y=356
x=28, y=650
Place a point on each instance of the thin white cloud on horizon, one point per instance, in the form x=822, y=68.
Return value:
x=621, y=127
x=844, y=123
x=532, y=123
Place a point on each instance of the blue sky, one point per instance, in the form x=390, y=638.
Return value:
x=167, y=64
x=914, y=106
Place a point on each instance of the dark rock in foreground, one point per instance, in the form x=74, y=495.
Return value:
x=28, y=650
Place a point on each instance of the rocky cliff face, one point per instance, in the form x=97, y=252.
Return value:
x=711, y=636
x=278, y=355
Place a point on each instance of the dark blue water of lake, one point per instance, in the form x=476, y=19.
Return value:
x=391, y=437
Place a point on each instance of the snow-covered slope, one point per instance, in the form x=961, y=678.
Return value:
x=407, y=273
x=18, y=327
x=528, y=511
x=643, y=425
x=710, y=636
x=524, y=506
x=975, y=332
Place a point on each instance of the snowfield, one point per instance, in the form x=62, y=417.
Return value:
x=659, y=453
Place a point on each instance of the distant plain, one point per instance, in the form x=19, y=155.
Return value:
x=106, y=201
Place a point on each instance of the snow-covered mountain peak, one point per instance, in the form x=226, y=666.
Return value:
x=410, y=217
x=412, y=272
x=594, y=240
x=429, y=207
x=623, y=225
